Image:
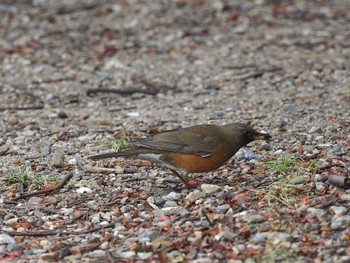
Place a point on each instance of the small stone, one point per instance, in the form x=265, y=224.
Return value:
x=170, y=203
x=172, y=196
x=45, y=244
x=10, y=221
x=51, y=257
x=137, y=96
x=38, y=213
x=133, y=114
x=278, y=237
x=2, y=249
x=319, y=213
x=278, y=152
x=258, y=237
x=127, y=254
x=340, y=222
x=58, y=160
x=210, y=188
x=159, y=201
x=6, y=239
x=314, y=129
x=256, y=219
x=12, y=247
x=344, y=197
x=144, y=255
x=62, y=115
x=4, y=149
x=195, y=195
x=319, y=186
x=339, y=210
x=34, y=201
x=104, y=245
x=82, y=190
x=202, y=260
x=158, y=212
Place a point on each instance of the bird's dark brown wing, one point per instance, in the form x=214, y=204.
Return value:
x=199, y=140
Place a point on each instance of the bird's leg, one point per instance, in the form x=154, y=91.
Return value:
x=182, y=178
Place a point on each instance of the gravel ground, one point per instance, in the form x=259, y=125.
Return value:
x=282, y=66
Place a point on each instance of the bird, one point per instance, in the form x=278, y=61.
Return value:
x=196, y=149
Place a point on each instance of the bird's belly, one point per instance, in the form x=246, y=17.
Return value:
x=192, y=163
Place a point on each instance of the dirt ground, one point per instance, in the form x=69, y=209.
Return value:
x=281, y=66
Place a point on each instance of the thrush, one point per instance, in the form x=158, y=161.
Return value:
x=196, y=149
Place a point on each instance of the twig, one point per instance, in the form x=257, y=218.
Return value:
x=128, y=91
x=136, y=179
x=45, y=191
x=95, y=169
x=123, y=108
x=4, y=150
x=339, y=181
x=327, y=166
x=34, y=107
x=53, y=233
x=257, y=73
x=207, y=216
x=309, y=97
x=55, y=80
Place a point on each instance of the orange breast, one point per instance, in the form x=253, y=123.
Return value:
x=197, y=164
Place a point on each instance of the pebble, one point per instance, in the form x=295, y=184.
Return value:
x=2, y=250
x=258, y=237
x=38, y=213
x=62, y=115
x=12, y=246
x=127, y=254
x=210, y=188
x=340, y=222
x=104, y=245
x=10, y=221
x=278, y=237
x=339, y=210
x=344, y=197
x=158, y=212
x=133, y=114
x=45, y=244
x=314, y=129
x=319, y=186
x=82, y=190
x=256, y=219
x=58, y=160
x=144, y=255
x=202, y=260
x=195, y=195
x=50, y=257
x=319, y=213
x=250, y=155
x=159, y=201
x=6, y=239
x=172, y=196
x=170, y=203
x=34, y=201
x=319, y=138
x=278, y=152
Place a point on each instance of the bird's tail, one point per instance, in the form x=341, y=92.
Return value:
x=113, y=154
x=132, y=152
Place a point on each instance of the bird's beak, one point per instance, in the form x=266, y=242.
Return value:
x=262, y=136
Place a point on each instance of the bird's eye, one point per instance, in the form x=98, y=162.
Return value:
x=246, y=133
